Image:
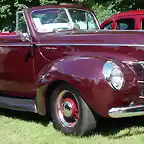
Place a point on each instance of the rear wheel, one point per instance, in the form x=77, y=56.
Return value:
x=70, y=114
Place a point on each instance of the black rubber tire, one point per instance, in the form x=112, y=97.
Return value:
x=87, y=122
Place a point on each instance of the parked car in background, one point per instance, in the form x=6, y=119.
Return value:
x=130, y=20
x=60, y=64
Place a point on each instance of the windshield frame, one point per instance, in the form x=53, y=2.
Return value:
x=69, y=17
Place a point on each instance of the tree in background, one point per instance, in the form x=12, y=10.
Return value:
x=8, y=9
x=102, y=8
x=125, y=5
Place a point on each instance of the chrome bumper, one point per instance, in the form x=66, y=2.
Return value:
x=126, y=111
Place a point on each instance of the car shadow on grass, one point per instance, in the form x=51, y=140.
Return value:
x=26, y=116
x=106, y=127
x=118, y=128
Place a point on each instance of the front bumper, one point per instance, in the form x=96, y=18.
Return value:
x=130, y=111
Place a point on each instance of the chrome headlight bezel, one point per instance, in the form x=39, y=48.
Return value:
x=113, y=75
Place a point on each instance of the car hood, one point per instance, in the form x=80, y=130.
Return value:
x=118, y=44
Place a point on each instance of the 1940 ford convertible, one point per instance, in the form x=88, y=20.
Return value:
x=59, y=63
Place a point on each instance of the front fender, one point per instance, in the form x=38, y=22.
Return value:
x=85, y=74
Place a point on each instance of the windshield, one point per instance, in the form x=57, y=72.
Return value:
x=49, y=20
x=83, y=19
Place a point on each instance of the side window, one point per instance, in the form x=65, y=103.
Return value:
x=142, y=24
x=125, y=24
x=21, y=26
x=84, y=20
x=108, y=26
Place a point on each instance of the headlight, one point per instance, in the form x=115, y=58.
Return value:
x=113, y=75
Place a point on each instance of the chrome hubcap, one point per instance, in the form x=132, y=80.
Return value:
x=67, y=108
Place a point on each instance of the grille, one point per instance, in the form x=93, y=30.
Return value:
x=139, y=69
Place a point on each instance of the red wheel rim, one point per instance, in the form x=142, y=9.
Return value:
x=67, y=109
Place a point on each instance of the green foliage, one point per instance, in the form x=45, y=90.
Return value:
x=124, y=5
x=103, y=11
x=8, y=9
x=48, y=2
x=102, y=8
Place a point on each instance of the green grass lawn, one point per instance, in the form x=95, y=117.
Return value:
x=28, y=128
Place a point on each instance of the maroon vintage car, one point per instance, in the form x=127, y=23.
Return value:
x=129, y=20
x=59, y=63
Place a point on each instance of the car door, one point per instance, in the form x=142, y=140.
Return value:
x=17, y=71
x=3, y=54
x=16, y=66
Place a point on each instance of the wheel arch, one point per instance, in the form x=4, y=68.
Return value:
x=48, y=92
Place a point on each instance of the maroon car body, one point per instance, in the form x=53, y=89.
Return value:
x=100, y=71
x=129, y=20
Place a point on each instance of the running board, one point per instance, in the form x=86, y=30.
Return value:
x=18, y=104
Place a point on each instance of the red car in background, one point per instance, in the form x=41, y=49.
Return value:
x=130, y=20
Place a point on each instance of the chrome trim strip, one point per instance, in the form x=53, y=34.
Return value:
x=86, y=44
x=90, y=44
x=122, y=112
x=141, y=97
x=142, y=82
x=121, y=30
x=69, y=16
x=15, y=45
x=131, y=62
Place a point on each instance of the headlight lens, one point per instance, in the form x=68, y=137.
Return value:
x=113, y=75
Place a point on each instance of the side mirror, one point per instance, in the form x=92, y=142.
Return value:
x=25, y=37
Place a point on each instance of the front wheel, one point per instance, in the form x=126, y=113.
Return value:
x=70, y=114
